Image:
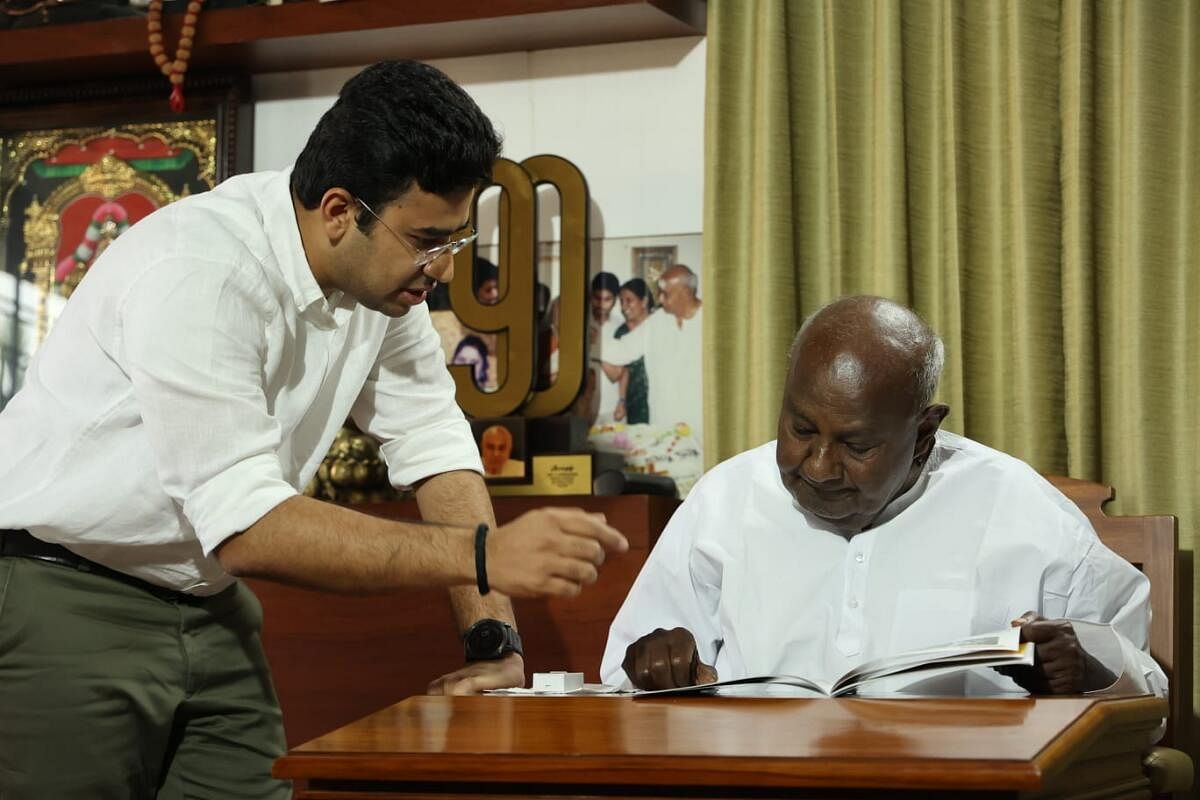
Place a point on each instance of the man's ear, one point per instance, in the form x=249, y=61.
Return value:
x=927, y=426
x=339, y=212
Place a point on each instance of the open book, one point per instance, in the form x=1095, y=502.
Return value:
x=1003, y=648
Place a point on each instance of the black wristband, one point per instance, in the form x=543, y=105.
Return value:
x=481, y=580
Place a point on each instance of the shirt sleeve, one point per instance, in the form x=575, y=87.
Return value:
x=628, y=348
x=1107, y=589
x=193, y=342
x=679, y=586
x=408, y=404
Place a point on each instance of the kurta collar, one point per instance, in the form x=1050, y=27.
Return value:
x=283, y=230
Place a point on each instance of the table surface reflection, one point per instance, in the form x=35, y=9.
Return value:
x=1000, y=744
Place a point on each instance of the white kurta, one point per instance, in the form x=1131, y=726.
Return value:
x=608, y=393
x=979, y=540
x=673, y=350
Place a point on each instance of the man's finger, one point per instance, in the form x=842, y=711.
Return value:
x=650, y=658
x=560, y=587
x=1065, y=685
x=592, y=526
x=1040, y=631
x=683, y=662
x=660, y=668
x=575, y=571
x=582, y=548
x=636, y=664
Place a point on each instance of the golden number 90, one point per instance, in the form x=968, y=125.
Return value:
x=514, y=318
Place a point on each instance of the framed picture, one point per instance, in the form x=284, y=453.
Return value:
x=649, y=262
x=503, y=448
x=79, y=164
x=462, y=345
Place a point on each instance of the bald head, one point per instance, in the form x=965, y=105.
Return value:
x=856, y=425
x=873, y=338
x=495, y=445
x=683, y=274
x=677, y=287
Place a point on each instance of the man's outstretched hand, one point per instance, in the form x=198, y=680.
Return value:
x=550, y=551
x=1060, y=664
x=665, y=659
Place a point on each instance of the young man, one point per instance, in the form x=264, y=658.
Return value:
x=864, y=531
x=190, y=388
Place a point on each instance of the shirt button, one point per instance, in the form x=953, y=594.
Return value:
x=859, y=557
x=853, y=603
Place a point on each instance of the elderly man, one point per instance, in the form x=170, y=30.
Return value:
x=496, y=446
x=864, y=531
x=670, y=342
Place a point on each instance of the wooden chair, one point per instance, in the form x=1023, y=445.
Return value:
x=1150, y=544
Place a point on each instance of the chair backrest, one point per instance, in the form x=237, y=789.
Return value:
x=1149, y=543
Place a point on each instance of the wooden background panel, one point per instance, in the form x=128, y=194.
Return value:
x=336, y=658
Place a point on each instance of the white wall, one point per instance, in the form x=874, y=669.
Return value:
x=630, y=116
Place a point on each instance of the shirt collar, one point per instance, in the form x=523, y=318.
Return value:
x=283, y=231
x=897, y=506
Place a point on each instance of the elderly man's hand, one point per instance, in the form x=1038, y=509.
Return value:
x=1059, y=664
x=665, y=659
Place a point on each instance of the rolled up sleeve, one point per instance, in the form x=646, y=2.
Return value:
x=194, y=345
x=408, y=404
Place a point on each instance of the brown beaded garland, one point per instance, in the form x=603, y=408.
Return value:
x=174, y=70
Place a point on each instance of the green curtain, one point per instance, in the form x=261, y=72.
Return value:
x=1025, y=174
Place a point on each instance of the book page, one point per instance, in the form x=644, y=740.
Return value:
x=820, y=687
x=999, y=648
x=1004, y=645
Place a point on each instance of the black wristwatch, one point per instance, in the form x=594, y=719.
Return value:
x=489, y=639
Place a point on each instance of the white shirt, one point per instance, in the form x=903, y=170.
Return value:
x=196, y=379
x=607, y=393
x=979, y=540
x=673, y=350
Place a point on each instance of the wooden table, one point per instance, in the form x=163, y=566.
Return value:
x=494, y=746
x=335, y=657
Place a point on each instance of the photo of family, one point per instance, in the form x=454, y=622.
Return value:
x=644, y=390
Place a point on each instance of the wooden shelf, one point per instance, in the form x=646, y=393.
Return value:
x=312, y=35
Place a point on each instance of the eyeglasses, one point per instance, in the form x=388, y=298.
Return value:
x=423, y=258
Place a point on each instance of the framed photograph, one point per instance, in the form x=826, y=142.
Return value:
x=503, y=448
x=649, y=262
x=79, y=164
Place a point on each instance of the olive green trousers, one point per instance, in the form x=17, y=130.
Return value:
x=109, y=691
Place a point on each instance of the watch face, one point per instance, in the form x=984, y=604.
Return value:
x=485, y=638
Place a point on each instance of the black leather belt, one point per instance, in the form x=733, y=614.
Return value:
x=23, y=544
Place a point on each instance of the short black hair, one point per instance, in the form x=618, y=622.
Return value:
x=607, y=281
x=638, y=287
x=484, y=271
x=395, y=124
